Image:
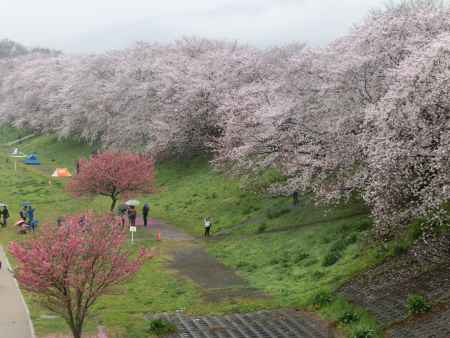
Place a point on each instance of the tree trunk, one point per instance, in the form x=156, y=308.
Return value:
x=76, y=332
x=113, y=204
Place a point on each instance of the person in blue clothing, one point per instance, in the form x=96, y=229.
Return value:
x=30, y=214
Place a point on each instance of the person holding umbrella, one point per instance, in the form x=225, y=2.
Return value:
x=132, y=212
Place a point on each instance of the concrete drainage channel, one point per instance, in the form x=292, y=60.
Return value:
x=262, y=324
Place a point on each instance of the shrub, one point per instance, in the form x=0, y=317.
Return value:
x=363, y=333
x=417, y=304
x=331, y=258
x=400, y=248
x=349, y=317
x=351, y=239
x=322, y=299
x=317, y=274
x=261, y=228
x=365, y=225
x=161, y=327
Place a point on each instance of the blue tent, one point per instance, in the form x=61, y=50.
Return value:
x=32, y=159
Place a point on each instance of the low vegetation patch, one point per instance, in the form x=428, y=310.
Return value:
x=161, y=327
x=417, y=304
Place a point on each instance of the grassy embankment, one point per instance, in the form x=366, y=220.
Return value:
x=294, y=254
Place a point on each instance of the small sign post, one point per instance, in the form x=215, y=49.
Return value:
x=132, y=230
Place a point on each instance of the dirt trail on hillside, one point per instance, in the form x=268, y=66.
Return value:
x=220, y=283
x=14, y=318
x=190, y=259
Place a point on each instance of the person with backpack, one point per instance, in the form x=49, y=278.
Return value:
x=5, y=215
x=132, y=214
x=145, y=212
x=207, y=225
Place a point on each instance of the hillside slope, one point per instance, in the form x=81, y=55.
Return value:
x=300, y=255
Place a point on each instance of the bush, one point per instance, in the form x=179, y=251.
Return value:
x=322, y=299
x=349, y=317
x=261, y=228
x=363, y=333
x=317, y=274
x=365, y=225
x=161, y=327
x=417, y=304
x=400, y=248
x=331, y=258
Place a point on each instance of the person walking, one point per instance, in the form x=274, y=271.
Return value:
x=207, y=225
x=132, y=214
x=145, y=212
x=5, y=215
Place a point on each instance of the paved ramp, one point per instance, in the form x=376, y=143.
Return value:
x=262, y=324
x=14, y=317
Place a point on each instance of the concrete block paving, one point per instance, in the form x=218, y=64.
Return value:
x=284, y=323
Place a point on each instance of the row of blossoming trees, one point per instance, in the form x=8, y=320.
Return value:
x=367, y=114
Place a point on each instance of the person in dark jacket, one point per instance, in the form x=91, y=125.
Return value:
x=23, y=213
x=132, y=214
x=5, y=216
x=145, y=211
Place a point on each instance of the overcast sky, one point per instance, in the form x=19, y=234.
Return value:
x=96, y=25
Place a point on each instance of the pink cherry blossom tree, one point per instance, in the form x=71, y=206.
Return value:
x=71, y=266
x=111, y=174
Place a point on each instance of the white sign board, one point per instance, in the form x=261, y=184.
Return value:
x=133, y=229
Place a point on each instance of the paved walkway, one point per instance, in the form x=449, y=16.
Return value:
x=221, y=283
x=262, y=324
x=14, y=318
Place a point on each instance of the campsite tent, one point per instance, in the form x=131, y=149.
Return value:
x=32, y=160
x=61, y=172
x=17, y=153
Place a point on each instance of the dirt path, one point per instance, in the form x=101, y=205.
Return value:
x=14, y=317
x=220, y=283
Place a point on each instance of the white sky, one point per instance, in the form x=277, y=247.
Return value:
x=97, y=25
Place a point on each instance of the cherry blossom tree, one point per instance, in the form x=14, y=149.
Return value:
x=111, y=174
x=71, y=266
x=330, y=119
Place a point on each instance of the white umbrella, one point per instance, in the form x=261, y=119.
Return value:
x=132, y=202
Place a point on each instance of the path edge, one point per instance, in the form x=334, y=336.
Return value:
x=27, y=310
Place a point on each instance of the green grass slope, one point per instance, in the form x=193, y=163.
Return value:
x=298, y=255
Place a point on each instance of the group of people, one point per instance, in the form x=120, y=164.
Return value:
x=26, y=221
x=130, y=212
